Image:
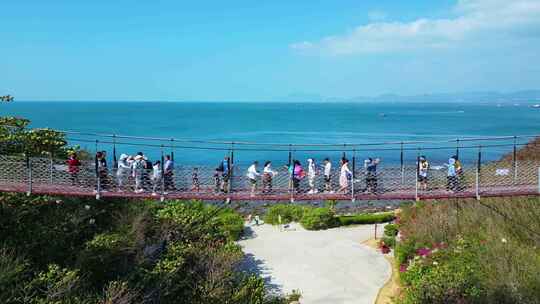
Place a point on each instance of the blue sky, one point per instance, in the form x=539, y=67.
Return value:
x=265, y=50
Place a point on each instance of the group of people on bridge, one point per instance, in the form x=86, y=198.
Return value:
x=138, y=173
x=146, y=175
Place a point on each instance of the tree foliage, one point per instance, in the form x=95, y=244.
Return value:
x=16, y=138
x=118, y=251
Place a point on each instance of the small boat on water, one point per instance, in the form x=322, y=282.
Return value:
x=536, y=106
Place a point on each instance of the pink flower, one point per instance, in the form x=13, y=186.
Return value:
x=423, y=251
x=402, y=268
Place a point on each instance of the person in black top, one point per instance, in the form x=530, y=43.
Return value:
x=101, y=170
x=225, y=171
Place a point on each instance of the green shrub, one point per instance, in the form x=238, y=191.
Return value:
x=390, y=241
x=13, y=272
x=232, y=225
x=251, y=291
x=119, y=292
x=404, y=251
x=390, y=230
x=318, y=219
x=289, y=213
x=56, y=285
x=105, y=257
x=367, y=218
x=210, y=221
x=448, y=276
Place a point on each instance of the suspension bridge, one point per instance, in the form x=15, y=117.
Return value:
x=400, y=180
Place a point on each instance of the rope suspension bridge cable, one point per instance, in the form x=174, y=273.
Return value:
x=352, y=145
x=344, y=149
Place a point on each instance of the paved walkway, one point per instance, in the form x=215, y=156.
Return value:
x=330, y=266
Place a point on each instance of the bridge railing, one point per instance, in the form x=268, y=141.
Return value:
x=53, y=176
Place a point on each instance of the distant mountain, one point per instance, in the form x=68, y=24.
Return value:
x=303, y=97
x=529, y=96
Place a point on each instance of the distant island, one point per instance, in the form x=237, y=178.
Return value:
x=526, y=96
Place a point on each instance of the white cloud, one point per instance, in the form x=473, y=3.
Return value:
x=473, y=22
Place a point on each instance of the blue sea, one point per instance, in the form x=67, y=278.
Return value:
x=299, y=123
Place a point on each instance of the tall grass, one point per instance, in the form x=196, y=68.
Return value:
x=504, y=243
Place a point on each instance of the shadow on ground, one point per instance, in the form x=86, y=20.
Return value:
x=251, y=264
x=248, y=234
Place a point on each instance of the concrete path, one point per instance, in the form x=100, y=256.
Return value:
x=329, y=266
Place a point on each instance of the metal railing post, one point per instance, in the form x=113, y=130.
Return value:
x=353, y=175
x=514, y=160
x=230, y=177
x=477, y=191
x=162, y=177
x=478, y=168
x=51, y=166
x=291, y=176
x=416, y=197
x=98, y=179
x=402, y=166
x=29, y=170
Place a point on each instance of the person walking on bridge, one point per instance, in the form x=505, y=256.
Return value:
x=327, y=175
x=298, y=174
x=268, y=174
x=123, y=171
x=423, y=168
x=138, y=171
x=345, y=176
x=252, y=175
x=73, y=168
x=102, y=171
x=168, y=174
x=451, y=176
x=370, y=165
x=195, y=184
x=312, y=174
x=157, y=174
x=224, y=171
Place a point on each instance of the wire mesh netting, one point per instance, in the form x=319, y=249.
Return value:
x=352, y=181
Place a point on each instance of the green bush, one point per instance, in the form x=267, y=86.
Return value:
x=390, y=241
x=404, y=251
x=56, y=285
x=289, y=213
x=367, y=218
x=318, y=219
x=232, y=224
x=482, y=252
x=106, y=257
x=390, y=230
x=212, y=222
x=448, y=276
x=13, y=272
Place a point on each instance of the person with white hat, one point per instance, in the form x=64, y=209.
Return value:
x=123, y=171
